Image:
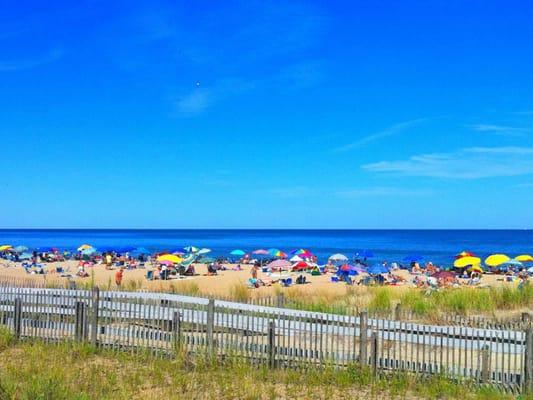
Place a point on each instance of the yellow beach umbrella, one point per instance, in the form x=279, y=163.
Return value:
x=496, y=259
x=170, y=257
x=84, y=247
x=524, y=258
x=5, y=247
x=466, y=261
x=475, y=268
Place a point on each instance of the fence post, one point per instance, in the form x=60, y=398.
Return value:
x=398, y=311
x=281, y=300
x=210, y=324
x=374, y=353
x=271, y=344
x=176, y=330
x=363, y=337
x=17, y=318
x=80, y=322
x=528, y=361
x=94, y=320
x=485, y=364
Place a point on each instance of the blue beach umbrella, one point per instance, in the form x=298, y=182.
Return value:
x=20, y=249
x=364, y=254
x=237, y=252
x=413, y=258
x=140, y=250
x=88, y=252
x=377, y=269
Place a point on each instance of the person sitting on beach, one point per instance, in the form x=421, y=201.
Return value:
x=211, y=269
x=190, y=271
x=81, y=272
x=415, y=269
x=524, y=278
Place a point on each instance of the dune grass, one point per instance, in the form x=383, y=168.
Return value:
x=33, y=370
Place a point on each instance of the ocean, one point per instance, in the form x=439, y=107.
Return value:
x=438, y=246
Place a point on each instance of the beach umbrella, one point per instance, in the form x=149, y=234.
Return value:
x=25, y=256
x=300, y=266
x=140, y=250
x=237, y=253
x=84, y=247
x=348, y=269
x=204, y=251
x=377, y=269
x=475, y=268
x=496, y=259
x=511, y=263
x=466, y=262
x=413, y=258
x=278, y=264
x=6, y=247
x=260, y=252
x=464, y=254
x=524, y=258
x=338, y=257
x=191, y=249
x=88, y=251
x=296, y=258
x=364, y=254
x=20, y=249
x=169, y=257
x=300, y=252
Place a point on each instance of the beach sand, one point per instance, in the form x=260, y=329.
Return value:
x=222, y=284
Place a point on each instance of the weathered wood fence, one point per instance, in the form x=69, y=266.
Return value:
x=278, y=337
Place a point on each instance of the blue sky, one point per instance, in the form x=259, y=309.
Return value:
x=356, y=114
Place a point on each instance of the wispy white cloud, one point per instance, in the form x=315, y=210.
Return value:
x=387, y=132
x=17, y=65
x=364, y=191
x=499, y=129
x=199, y=99
x=382, y=191
x=468, y=163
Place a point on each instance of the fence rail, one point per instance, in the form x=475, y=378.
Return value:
x=278, y=337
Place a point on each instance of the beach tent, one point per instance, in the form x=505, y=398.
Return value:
x=496, y=259
x=169, y=257
x=25, y=256
x=511, y=264
x=377, y=269
x=237, y=253
x=466, y=262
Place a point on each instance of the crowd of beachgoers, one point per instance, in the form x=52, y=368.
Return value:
x=266, y=267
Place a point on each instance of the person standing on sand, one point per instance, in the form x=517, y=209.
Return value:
x=254, y=270
x=118, y=276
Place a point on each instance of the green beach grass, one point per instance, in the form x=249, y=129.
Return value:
x=33, y=370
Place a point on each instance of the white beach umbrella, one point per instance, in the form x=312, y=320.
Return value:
x=338, y=257
x=296, y=258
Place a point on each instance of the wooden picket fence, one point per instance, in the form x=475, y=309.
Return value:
x=278, y=337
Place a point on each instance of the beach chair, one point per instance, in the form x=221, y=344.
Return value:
x=286, y=282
